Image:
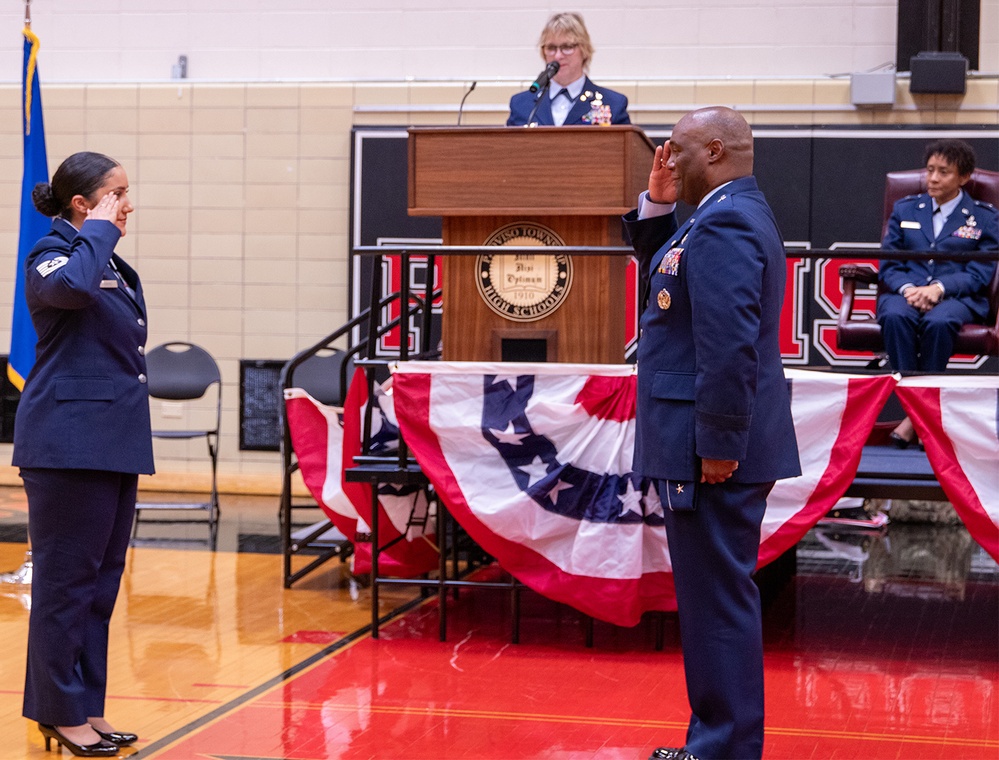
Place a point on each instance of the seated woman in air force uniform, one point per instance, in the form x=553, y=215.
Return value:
x=925, y=301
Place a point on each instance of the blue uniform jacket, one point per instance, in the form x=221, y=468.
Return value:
x=710, y=380
x=85, y=403
x=522, y=103
x=972, y=226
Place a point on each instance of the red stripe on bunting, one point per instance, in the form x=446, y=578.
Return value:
x=309, y=440
x=620, y=602
x=609, y=398
x=403, y=558
x=924, y=409
x=357, y=396
x=864, y=399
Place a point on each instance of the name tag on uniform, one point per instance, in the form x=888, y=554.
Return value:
x=109, y=284
x=911, y=225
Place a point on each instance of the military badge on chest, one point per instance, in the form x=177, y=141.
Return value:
x=670, y=265
x=599, y=114
x=970, y=230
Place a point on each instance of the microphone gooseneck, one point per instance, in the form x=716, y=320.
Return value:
x=461, y=106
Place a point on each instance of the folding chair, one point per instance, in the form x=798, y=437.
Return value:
x=180, y=371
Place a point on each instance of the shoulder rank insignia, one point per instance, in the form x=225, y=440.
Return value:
x=48, y=267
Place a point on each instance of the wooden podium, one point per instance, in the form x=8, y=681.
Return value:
x=524, y=186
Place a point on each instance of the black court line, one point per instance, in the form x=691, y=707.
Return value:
x=218, y=712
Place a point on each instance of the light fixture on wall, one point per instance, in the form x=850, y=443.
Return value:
x=179, y=69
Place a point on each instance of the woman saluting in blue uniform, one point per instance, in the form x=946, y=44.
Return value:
x=81, y=438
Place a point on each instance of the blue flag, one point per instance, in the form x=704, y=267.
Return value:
x=34, y=226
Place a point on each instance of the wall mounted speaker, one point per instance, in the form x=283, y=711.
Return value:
x=941, y=73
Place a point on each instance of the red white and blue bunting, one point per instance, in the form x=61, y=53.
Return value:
x=535, y=462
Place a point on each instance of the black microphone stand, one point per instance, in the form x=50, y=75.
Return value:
x=537, y=102
x=461, y=107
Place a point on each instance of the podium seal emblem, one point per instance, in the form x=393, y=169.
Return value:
x=524, y=287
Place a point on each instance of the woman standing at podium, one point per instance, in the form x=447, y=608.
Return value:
x=571, y=99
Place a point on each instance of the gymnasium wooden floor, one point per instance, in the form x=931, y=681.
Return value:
x=883, y=645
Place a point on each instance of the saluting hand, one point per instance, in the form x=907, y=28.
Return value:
x=662, y=183
x=106, y=208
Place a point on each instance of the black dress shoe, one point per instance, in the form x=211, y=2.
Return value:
x=898, y=441
x=121, y=738
x=671, y=753
x=97, y=749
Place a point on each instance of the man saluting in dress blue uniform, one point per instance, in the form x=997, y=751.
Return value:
x=714, y=426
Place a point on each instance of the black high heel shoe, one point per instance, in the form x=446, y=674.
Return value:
x=898, y=441
x=121, y=738
x=97, y=749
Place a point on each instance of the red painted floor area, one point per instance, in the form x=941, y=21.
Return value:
x=857, y=665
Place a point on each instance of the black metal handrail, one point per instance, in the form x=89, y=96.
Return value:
x=592, y=250
x=289, y=465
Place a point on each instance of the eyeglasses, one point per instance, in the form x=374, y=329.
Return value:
x=567, y=49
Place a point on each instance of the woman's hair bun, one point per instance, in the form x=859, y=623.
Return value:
x=44, y=200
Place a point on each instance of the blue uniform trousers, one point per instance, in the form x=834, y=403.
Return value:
x=916, y=340
x=714, y=549
x=79, y=522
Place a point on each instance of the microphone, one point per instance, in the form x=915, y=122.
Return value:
x=545, y=76
x=462, y=105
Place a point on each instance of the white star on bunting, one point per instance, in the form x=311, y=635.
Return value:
x=536, y=471
x=509, y=435
x=631, y=500
x=653, y=504
x=510, y=380
x=560, y=486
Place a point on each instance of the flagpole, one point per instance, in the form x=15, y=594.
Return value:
x=21, y=577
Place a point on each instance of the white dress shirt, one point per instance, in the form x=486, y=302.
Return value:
x=561, y=105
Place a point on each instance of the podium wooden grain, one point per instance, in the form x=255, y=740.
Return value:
x=577, y=181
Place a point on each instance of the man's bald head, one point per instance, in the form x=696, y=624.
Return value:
x=710, y=146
